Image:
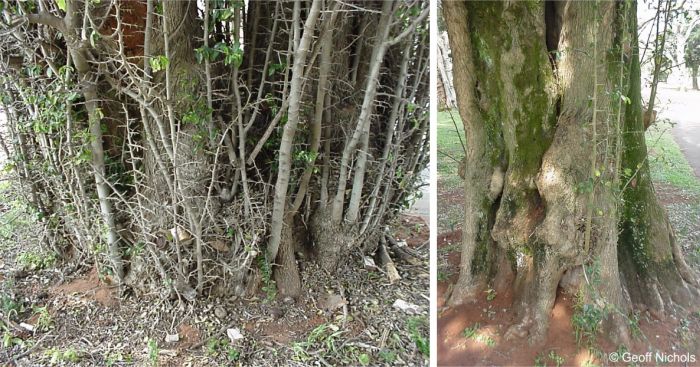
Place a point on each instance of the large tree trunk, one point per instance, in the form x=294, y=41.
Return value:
x=538, y=89
x=651, y=263
x=695, y=77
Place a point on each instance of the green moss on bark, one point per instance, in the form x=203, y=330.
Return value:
x=638, y=192
x=516, y=103
x=487, y=51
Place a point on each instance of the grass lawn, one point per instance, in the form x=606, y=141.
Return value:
x=449, y=147
x=677, y=187
x=668, y=164
x=449, y=153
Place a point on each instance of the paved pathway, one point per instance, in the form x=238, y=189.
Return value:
x=684, y=109
x=421, y=207
x=688, y=137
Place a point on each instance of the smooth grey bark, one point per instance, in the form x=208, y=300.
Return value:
x=319, y=112
x=364, y=118
x=391, y=128
x=285, y=156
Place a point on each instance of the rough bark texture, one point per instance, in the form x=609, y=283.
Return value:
x=538, y=87
x=286, y=271
x=332, y=240
x=654, y=271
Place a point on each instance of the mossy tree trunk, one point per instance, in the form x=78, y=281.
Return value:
x=549, y=93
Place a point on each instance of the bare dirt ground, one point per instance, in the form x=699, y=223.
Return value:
x=473, y=334
x=78, y=318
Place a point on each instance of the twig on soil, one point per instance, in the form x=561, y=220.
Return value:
x=345, y=303
x=382, y=340
x=28, y=351
x=206, y=340
x=320, y=358
x=404, y=252
x=11, y=323
x=422, y=245
x=220, y=331
x=362, y=345
x=392, y=272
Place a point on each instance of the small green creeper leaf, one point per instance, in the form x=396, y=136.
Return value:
x=159, y=63
x=94, y=36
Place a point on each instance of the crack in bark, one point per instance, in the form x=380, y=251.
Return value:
x=553, y=24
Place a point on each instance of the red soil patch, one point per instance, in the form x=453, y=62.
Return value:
x=453, y=239
x=413, y=230
x=189, y=336
x=284, y=333
x=668, y=195
x=91, y=287
x=496, y=316
x=450, y=195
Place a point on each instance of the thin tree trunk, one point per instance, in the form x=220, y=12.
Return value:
x=391, y=127
x=325, y=170
x=659, y=46
x=364, y=118
x=285, y=151
x=89, y=89
x=317, y=126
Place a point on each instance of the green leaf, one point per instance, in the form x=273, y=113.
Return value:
x=159, y=63
x=8, y=167
x=61, y=4
x=198, y=55
x=94, y=36
x=225, y=14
